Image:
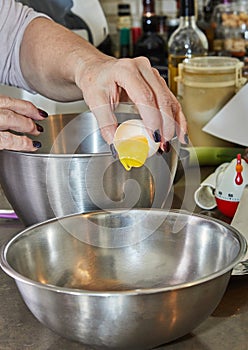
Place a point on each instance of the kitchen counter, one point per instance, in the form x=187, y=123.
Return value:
x=226, y=328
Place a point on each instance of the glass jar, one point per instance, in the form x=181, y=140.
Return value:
x=205, y=85
x=230, y=26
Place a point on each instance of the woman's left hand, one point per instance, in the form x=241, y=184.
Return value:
x=18, y=116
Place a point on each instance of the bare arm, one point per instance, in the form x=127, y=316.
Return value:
x=60, y=65
x=50, y=55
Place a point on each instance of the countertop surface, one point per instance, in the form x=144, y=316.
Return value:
x=226, y=328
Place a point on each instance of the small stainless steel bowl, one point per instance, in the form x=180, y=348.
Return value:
x=74, y=172
x=123, y=279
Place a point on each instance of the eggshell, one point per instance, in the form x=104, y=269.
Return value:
x=135, y=127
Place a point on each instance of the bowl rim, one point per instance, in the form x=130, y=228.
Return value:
x=58, y=155
x=9, y=270
x=174, y=141
x=127, y=107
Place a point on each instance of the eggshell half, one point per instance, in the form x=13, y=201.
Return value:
x=135, y=127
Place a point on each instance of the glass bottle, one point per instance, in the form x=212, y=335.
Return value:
x=204, y=22
x=124, y=16
x=150, y=44
x=124, y=23
x=162, y=27
x=124, y=43
x=186, y=42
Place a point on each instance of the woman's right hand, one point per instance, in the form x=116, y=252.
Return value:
x=19, y=116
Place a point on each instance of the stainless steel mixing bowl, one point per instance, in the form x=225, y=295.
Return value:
x=75, y=172
x=123, y=279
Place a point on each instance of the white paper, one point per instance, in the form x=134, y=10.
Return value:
x=231, y=122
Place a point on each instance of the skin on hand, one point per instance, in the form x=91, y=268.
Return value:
x=19, y=116
x=103, y=83
x=61, y=65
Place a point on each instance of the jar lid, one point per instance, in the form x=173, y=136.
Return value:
x=210, y=63
x=211, y=71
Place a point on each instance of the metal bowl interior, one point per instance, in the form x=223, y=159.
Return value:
x=96, y=277
x=74, y=172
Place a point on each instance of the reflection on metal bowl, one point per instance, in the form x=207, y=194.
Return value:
x=123, y=279
x=183, y=164
x=74, y=172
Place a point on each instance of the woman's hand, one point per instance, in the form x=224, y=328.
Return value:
x=19, y=116
x=104, y=82
x=61, y=65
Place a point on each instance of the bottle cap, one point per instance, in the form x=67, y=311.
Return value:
x=124, y=10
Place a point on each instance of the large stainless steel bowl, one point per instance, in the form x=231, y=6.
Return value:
x=123, y=279
x=75, y=172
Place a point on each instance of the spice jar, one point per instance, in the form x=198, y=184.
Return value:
x=205, y=85
x=230, y=26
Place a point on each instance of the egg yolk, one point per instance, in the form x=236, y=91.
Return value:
x=133, y=152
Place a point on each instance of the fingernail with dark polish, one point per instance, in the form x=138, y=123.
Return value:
x=186, y=138
x=37, y=144
x=167, y=146
x=39, y=127
x=42, y=113
x=113, y=151
x=157, y=136
x=160, y=151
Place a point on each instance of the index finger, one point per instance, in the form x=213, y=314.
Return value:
x=140, y=91
x=156, y=104
x=25, y=108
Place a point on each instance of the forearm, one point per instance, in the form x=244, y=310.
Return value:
x=60, y=65
x=51, y=57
